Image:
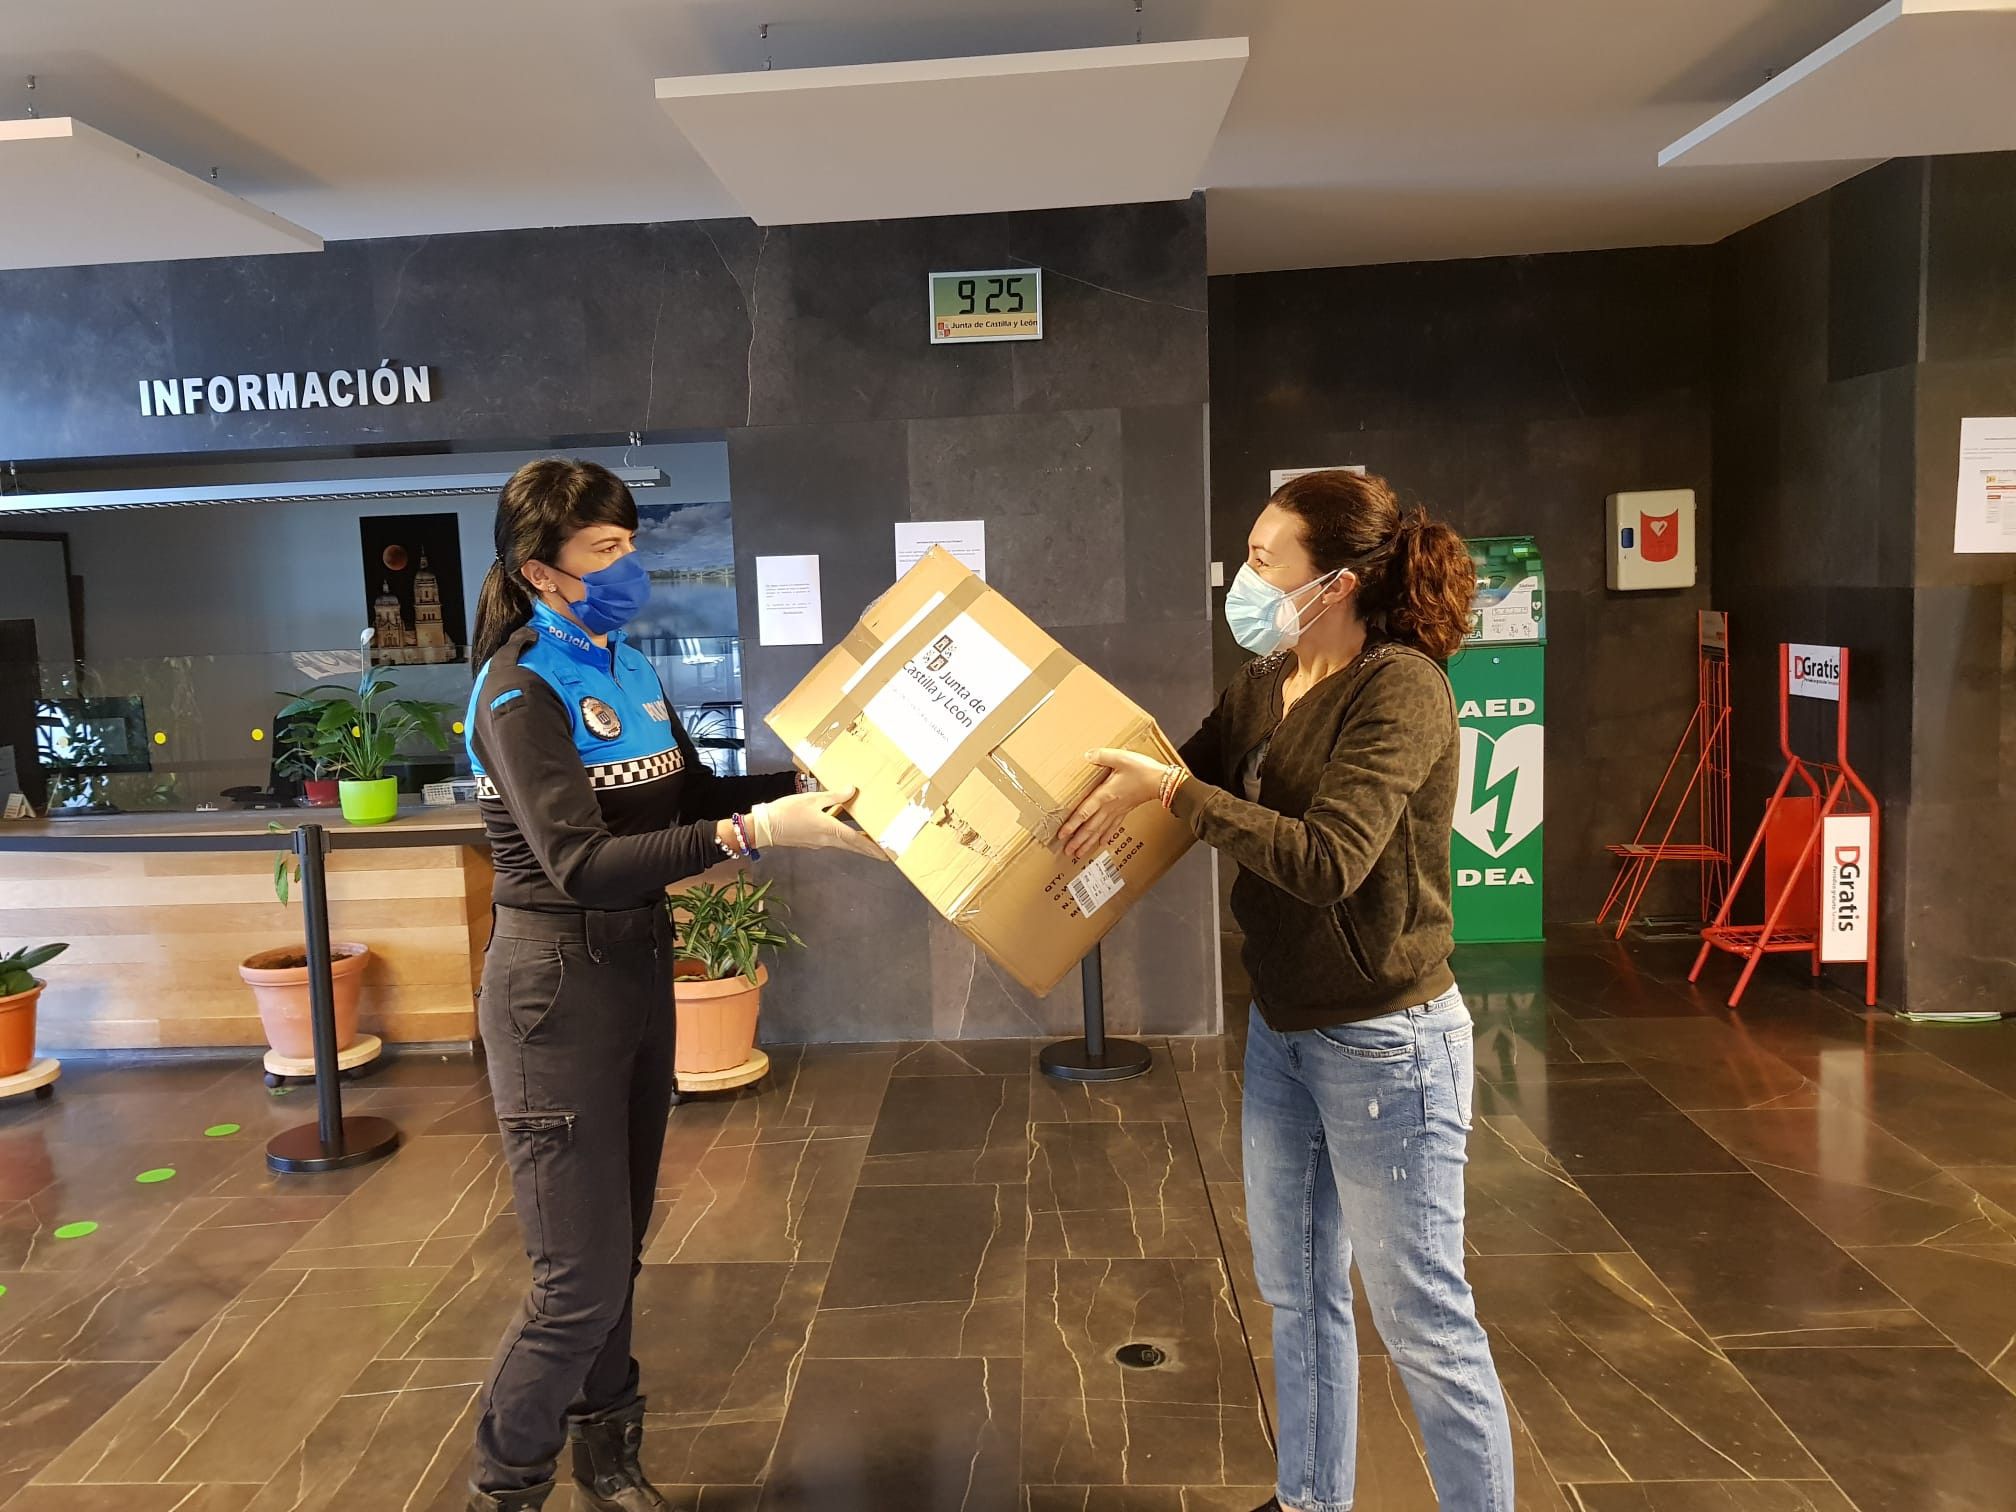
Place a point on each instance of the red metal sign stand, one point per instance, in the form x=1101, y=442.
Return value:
x=1789, y=838
x=1708, y=735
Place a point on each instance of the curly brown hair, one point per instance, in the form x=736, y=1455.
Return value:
x=1415, y=576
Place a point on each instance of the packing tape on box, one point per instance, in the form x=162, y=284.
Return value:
x=977, y=750
x=1002, y=721
x=880, y=666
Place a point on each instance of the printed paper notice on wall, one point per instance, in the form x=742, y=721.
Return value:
x=787, y=601
x=1984, y=518
x=965, y=539
x=1281, y=475
x=939, y=696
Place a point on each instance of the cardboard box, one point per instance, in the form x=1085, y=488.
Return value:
x=965, y=729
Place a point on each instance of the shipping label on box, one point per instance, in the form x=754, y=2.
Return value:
x=964, y=728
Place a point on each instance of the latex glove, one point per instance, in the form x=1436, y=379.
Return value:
x=804, y=821
x=1131, y=780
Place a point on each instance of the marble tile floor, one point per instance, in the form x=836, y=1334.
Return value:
x=1755, y=1261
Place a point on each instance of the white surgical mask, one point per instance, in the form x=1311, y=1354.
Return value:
x=1265, y=619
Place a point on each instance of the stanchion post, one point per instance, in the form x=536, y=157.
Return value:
x=1095, y=1058
x=334, y=1143
x=311, y=848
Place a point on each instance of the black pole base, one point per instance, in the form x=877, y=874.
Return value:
x=301, y=1148
x=1073, y=1060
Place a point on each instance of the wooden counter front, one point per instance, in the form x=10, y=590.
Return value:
x=157, y=930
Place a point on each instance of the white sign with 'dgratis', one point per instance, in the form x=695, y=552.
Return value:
x=1814, y=672
x=1845, y=890
x=939, y=696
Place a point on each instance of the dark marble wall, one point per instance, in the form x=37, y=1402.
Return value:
x=1815, y=440
x=1085, y=457
x=1961, y=890
x=807, y=347
x=1509, y=396
x=1854, y=332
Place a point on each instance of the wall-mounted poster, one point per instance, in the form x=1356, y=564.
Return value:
x=413, y=588
x=689, y=550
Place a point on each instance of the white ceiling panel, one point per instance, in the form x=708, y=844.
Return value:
x=962, y=136
x=74, y=195
x=1360, y=132
x=1918, y=77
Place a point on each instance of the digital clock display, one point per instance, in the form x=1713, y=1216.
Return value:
x=999, y=304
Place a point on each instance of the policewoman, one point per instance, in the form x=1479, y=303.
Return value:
x=594, y=800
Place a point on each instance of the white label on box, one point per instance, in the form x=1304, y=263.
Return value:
x=1095, y=886
x=939, y=696
x=1815, y=671
x=1845, y=888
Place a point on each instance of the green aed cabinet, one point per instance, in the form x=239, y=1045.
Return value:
x=1501, y=705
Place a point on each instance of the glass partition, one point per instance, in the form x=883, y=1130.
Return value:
x=193, y=732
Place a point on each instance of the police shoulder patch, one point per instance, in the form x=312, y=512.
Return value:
x=602, y=721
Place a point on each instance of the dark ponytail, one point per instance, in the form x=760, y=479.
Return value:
x=1429, y=584
x=1415, y=577
x=541, y=508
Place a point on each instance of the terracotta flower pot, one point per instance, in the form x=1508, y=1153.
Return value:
x=717, y=1020
x=17, y=1031
x=279, y=981
x=318, y=792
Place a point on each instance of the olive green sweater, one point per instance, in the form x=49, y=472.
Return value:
x=1343, y=888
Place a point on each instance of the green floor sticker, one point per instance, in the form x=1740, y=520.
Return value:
x=3, y=1291
x=220, y=1131
x=76, y=1230
x=159, y=1173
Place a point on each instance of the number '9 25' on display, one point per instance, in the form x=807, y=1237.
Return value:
x=1000, y=304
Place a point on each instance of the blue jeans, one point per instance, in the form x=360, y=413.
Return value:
x=1355, y=1146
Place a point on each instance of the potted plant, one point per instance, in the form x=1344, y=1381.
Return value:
x=298, y=760
x=359, y=733
x=719, y=935
x=279, y=982
x=20, y=989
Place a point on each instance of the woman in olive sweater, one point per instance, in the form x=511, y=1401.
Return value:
x=1328, y=772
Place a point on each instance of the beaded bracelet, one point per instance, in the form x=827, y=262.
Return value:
x=1173, y=779
x=749, y=851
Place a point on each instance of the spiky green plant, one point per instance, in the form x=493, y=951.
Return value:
x=725, y=929
x=17, y=971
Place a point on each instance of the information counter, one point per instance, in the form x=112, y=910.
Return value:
x=160, y=908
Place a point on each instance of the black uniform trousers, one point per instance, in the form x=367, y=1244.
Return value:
x=577, y=1021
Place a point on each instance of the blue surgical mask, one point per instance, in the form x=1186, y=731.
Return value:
x=616, y=594
x=1265, y=619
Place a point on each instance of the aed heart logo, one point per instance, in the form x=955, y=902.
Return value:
x=1499, y=797
x=1660, y=541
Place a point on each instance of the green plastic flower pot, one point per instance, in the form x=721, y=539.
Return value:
x=371, y=802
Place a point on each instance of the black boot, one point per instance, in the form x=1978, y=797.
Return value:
x=605, y=1462
x=528, y=1500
